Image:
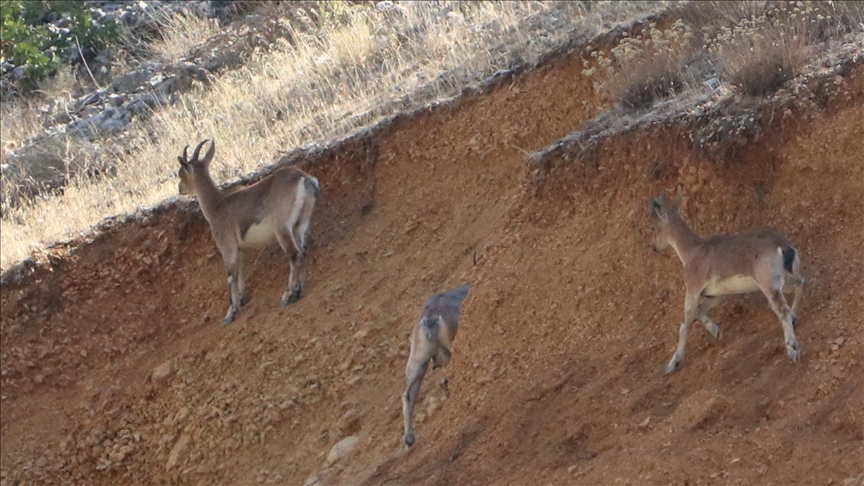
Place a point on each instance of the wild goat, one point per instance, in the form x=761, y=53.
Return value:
x=725, y=265
x=276, y=208
x=430, y=341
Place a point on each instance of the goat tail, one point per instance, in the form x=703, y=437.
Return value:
x=789, y=255
x=429, y=328
x=312, y=185
x=301, y=213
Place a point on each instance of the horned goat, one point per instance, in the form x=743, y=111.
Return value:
x=431, y=339
x=714, y=267
x=276, y=208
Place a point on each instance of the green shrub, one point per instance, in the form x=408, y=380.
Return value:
x=26, y=41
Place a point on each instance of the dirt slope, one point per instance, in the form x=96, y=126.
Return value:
x=557, y=371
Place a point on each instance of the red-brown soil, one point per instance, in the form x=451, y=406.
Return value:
x=557, y=374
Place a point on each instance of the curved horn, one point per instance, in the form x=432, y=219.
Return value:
x=185, y=155
x=209, y=155
x=198, y=149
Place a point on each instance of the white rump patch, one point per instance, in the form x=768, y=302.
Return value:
x=738, y=284
x=300, y=196
x=258, y=234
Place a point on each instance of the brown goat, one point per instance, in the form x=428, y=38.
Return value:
x=276, y=208
x=431, y=340
x=724, y=265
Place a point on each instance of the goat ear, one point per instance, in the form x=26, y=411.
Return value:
x=184, y=159
x=654, y=206
x=679, y=196
x=662, y=200
x=209, y=155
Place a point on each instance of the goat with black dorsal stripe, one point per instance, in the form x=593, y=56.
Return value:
x=430, y=341
x=276, y=208
x=714, y=267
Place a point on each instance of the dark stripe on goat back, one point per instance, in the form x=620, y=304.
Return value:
x=788, y=258
x=429, y=327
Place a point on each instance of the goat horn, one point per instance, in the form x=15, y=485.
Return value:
x=198, y=149
x=185, y=155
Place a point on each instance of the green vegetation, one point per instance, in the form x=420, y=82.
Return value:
x=27, y=40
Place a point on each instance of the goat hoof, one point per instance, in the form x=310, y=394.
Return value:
x=793, y=351
x=717, y=332
x=673, y=366
x=408, y=439
x=291, y=297
x=229, y=318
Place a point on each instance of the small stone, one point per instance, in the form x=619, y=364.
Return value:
x=163, y=371
x=342, y=449
x=854, y=481
x=176, y=451
x=645, y=422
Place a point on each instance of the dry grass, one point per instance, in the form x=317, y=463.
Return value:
x=753, y=46
x=646, y=67
x=354, y=67
x=759, y=54
x=27, y=122
x=22, y=117
x=761, y=64
x=180, y=33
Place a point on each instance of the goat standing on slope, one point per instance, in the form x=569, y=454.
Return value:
x=276, y=208
x=725, y=265
x=433, y=334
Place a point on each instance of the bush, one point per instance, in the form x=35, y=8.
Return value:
x=643, y=69
x=28, y=41
x=759, y=54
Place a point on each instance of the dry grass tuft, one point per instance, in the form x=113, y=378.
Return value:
x=759, y=54
x=760, y=65
x=346, y=65
x=23, y=117
x=643, y=69
x=180, y=33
